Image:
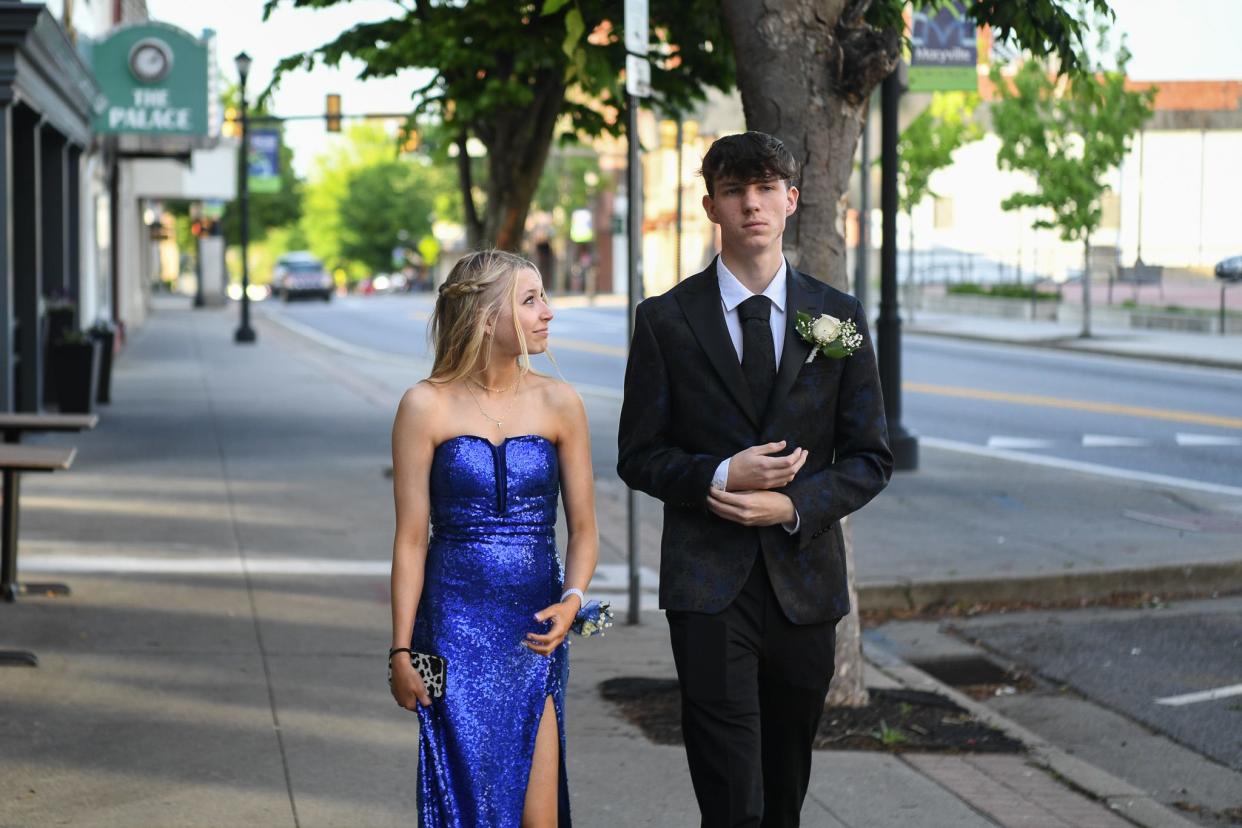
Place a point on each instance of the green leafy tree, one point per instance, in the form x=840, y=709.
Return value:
x=511, y=74
x=927, y=144
x=364, y=198
x=1067, y=134
x=385, y=206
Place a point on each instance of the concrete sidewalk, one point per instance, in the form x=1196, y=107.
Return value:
x=1207, y=350
x=220, y=661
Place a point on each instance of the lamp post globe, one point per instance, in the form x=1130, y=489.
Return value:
x=244, y=333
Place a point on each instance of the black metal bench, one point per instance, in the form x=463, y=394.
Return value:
x=14, y=461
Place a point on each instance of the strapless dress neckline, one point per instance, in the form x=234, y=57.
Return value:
x=496, y=445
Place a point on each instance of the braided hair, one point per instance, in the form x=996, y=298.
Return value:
x=474, y=293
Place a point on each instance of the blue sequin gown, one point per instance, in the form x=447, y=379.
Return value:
x=491, y=565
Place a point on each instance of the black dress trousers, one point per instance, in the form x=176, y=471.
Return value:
x=752, y=689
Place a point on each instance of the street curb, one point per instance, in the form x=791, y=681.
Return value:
x=1062, y=344
x=1122, y=798
x=1054, y=588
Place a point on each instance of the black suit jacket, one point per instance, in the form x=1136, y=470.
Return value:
x=687, y=408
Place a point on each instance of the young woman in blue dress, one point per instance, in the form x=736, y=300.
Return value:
x=482, y=449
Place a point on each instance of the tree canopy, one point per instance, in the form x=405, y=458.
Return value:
x=511, y=74
x=364, y=199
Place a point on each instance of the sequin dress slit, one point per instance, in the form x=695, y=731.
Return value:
x=491, y=565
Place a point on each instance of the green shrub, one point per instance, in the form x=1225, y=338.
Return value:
x=1001, y=291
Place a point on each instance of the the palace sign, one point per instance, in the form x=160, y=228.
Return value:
x=154, y=81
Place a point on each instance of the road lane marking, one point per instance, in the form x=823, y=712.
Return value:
x=1077, y=405
x=1202, y=696
x=1110, y=441
x=1207, y=440
x=558, y=343
x=999, y=442
x=132, y=564
x=1079, y=466
x=609, y=579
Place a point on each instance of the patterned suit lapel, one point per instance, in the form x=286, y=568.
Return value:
x=700, y=302
x=801, y=294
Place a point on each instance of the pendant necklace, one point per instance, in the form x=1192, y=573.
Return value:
x=499, y=423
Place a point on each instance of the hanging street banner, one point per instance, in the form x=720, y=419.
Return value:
x=264, y=160
x=153, y=79
x=944, y=50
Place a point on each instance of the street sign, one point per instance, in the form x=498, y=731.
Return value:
x=944, y=50
x=637, y=76
x=637, y=30
x=153, y=79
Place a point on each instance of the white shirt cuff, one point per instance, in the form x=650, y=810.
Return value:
x=797, y=524
x=720, y=480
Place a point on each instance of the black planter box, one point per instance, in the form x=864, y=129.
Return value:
x=107, y=341
x=58, y=321
x=74, y=372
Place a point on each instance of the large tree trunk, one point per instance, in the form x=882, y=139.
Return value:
x=517, y=148
x=806, y=69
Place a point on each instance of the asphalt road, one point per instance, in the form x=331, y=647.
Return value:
x=1126, y=416
x=1156, y=666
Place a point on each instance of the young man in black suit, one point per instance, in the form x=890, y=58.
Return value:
x=757, y=453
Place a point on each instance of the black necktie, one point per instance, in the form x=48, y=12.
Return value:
x=758, y=352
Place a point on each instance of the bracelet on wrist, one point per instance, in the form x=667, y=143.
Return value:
x=574, y=591
x=396, y=650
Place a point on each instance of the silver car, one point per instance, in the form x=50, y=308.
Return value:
x=301, y=274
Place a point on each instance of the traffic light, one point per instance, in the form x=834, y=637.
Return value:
x=332, y=112
x=410, y=140
x=231, y=128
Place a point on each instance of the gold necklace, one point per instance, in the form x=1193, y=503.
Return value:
x=491, y=390
x=498, y=422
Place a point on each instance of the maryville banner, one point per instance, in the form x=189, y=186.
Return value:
x=944, y=50
x=264, y=160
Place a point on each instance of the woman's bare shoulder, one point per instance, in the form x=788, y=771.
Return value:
x=421, y=401
x=556, y=393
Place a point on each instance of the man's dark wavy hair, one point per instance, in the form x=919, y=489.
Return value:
x=748, y=158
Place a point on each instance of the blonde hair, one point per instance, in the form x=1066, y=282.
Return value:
x=475, y=291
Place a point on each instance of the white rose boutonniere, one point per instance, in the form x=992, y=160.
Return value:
x=828, y=335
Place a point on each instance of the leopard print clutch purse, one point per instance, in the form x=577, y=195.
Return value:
x=432, y=669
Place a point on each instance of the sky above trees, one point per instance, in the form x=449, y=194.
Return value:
x=1198, y=42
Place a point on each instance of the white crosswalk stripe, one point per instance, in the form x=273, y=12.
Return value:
x=1111, y=441
x=1016, y=442
x=1208, y=440
x=1000, y=442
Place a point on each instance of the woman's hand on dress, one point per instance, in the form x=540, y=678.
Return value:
x=561, y=616
x=407, y=685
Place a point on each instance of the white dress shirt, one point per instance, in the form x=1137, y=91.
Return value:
x=732, y=294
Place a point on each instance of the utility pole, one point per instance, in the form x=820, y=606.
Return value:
x=637, y=85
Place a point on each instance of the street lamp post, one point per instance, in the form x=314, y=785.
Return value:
x=905, y=445
x=244, y=332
